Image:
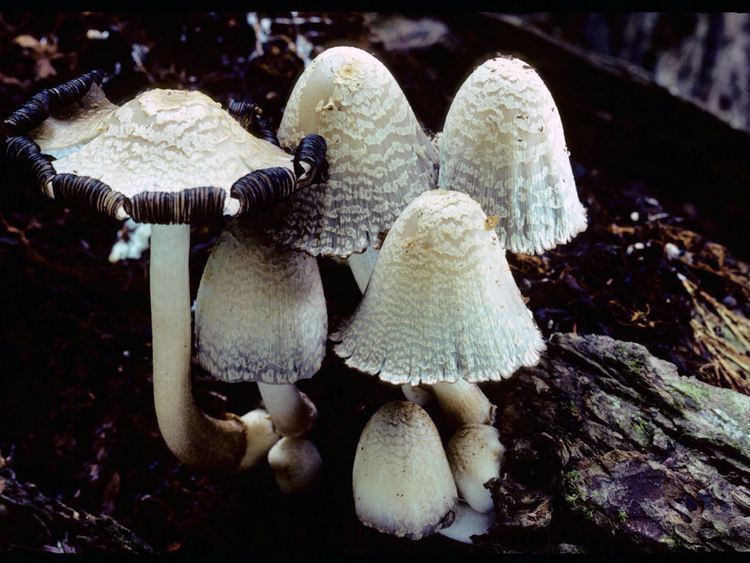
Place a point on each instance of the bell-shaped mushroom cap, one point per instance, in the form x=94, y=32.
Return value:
x=168, y=141
x=503, y=144
x=401, y=478
x=442, y=303
x=378, y=156
x=260, y=313
x=475, y=454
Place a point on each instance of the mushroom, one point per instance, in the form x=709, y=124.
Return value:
x=503, y=144
x=260, y=315
x=475, y=454
x=379, y=158
x=401, y=478
x=141, y=160
x=442, y=306
x=296, y=464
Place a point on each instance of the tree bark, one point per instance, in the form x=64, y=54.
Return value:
x=609, y=448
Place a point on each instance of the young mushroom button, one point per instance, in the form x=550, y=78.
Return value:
x=503, y=144
x=170, y=158
x=260, y=316
x=379, y=158
x=401, y=478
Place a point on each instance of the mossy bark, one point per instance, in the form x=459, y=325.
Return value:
x=611, y=448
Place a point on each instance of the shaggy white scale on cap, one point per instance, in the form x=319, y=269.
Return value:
x=442, y=304
x=260, y=313
x=379, y=158
x=401, y=478
x=170, y=140
x=62, y=134
x=503, y=144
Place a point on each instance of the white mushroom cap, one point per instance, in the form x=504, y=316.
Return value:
x=167, y=141
x=401, y=477
x=475, y=455
x=442, y=303
x=379, y=158
x=260, y=313
x=503, y=144
x=61, y=134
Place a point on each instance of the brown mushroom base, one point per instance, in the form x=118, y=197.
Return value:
x=198, y=440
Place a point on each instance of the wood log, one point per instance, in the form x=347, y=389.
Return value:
x=610, y=448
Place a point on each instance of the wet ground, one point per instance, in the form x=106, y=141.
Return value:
x=76, y=413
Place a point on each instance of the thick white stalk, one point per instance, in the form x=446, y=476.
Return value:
x=464, y=403
x=198, y=440
x=362, y=266
x=291, y=411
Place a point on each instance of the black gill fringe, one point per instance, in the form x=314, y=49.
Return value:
x=250, y=116
x=262, y=187
x=27, y=153
x=43, y=104
x=84, y=192
x=185, y=206
x=312, y=150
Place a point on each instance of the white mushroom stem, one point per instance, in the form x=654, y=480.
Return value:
x=467, y=523
x=475, y=454
x=362, y=266
x=418, y=395
x=197, y=440
x=292, y=412
x=464, y=403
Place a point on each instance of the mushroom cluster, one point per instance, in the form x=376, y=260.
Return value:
x=423, y=223
x=170, y=158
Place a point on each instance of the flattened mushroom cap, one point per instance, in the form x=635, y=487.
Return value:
x=401, y=478
x=167, y=156
x=503, y=144
x=442, y=303
x=169, y=141
x=378, y=155
x=260, y=313
x=66, y=131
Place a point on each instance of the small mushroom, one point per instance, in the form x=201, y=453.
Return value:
x=503, y=144
x=475, y=454
x=260, y=315
x=379, y=158
x=295, y=463
x=401, y=478
x=170, y=158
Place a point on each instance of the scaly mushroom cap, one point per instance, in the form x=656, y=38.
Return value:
x=166, y=141
x=401, y=478
x=260, y=313
x=59, y=135
x=503, y=144
x=442, y=303
x=379, y=158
